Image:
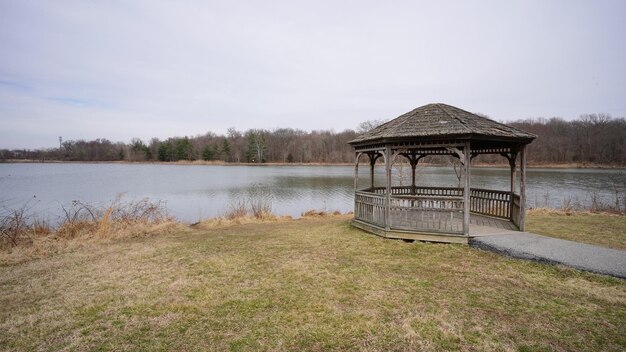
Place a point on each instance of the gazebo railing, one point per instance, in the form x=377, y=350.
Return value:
x=370, y=207
x=426, y=213
x=482, y=201
x=430, y=213
x=490, y=202
x=421, y=191
x=427, y=202
x=515, y=210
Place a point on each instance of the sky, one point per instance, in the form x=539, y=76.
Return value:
x=125, y=69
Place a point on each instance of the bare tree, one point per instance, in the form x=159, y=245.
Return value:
x=369, y=125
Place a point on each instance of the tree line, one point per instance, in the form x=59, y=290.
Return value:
x=595, y=138
x=592, y=138
x=284, y=145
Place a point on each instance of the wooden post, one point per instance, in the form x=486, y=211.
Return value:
x=356, y=172
x=522, y=189
x=388, y=197
x=413, y=166
x=512, y=165
x=372, y=165
x=466, y=191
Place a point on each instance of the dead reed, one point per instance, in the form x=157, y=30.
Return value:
x=22, y=235
x=257, y=204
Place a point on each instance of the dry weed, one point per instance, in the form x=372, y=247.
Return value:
x=320, y=213
x=22, y=238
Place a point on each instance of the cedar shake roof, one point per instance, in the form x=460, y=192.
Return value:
x=437, y=121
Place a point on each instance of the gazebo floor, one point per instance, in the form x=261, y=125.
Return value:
x=480, y=225
x=485, y=225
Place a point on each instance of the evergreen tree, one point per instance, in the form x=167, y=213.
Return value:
x=226, y=150
x=256, y=147
x=148, y=152
x=138, y=147
x=183, y=149
x=209, y=152
x=165, y=151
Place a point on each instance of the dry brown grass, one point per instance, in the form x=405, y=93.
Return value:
x=258, y=204
x=240, y=220
x=239, y=214
x=320, y=213
x=309, y=284
x=82, y=224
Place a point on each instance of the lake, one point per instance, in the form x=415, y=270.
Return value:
x=200, y=191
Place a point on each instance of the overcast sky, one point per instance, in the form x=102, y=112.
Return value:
x=124, y=69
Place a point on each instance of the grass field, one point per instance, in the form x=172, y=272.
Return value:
x=310, y=284
x=608, y=230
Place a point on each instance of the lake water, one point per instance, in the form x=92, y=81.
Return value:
x=199, y=191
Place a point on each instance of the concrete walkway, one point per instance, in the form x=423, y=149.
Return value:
x=577, y=255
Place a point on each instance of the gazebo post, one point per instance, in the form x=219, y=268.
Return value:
x=388, y=196
x=414, y=160
x=372, y=165
x=356, y=171
x=413, y=166
x=512, y=166
x=466, y=191
x=522, y=189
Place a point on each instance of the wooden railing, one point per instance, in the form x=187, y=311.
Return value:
x=370, y=208
x=420, y=191
x=428, y=203
x=426, y=213
x=482, y=201
x=515, y=210
x=489, y=202
x=431, y=210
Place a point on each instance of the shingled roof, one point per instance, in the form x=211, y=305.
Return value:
x=438, y=121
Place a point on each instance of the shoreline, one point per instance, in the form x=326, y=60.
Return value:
x=223, y=163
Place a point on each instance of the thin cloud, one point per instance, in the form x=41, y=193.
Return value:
x=155, y=69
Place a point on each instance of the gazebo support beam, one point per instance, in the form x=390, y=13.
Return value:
x=356, y=171
x=372, y=165
x=373, y=157
x=466, y=192
x=414, y=159
x=511, y=157
x=522, y=189
x=413, y=167
x=388, y=157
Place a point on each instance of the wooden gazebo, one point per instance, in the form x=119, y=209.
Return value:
x=439, y=214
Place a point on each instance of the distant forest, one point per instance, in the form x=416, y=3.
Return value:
x=590, y=139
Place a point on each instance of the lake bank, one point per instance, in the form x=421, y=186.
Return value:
x=223, y=163
x=313, y=283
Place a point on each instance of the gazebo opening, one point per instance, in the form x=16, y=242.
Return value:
x=432, y=213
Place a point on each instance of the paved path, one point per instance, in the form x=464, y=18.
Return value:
x=577, y=255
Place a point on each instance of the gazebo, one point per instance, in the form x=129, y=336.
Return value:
x=439, y=214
